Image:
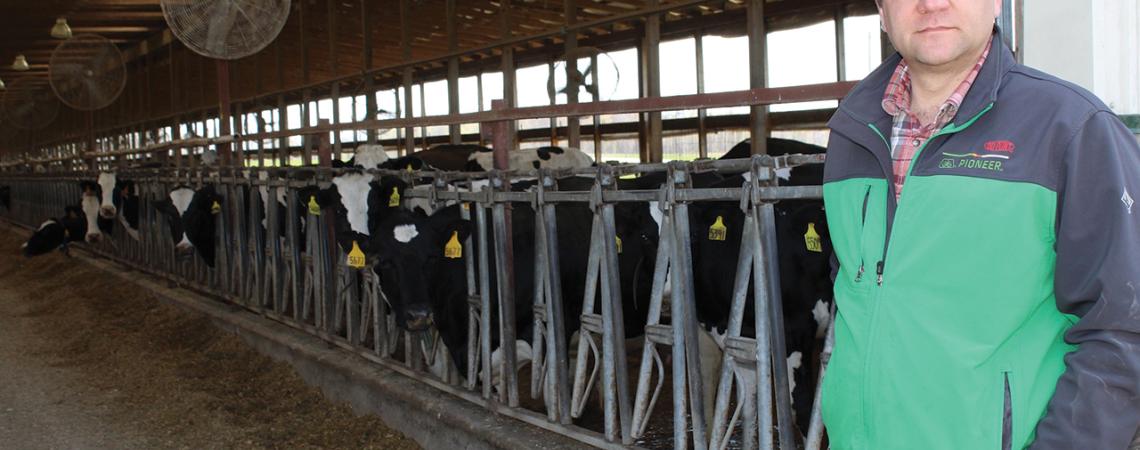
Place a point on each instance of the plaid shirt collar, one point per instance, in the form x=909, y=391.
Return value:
x=896, y=99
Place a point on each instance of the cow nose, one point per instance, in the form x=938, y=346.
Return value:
x=93, y=238
x=107, y=212
x=184, y=248
x=419, y=320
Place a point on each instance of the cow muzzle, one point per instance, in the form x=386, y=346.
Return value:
x=108, y=212
x=93, y=238
x=419, y=320
x=184, y=249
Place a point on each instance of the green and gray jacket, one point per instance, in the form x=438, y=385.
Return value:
x=995, y=304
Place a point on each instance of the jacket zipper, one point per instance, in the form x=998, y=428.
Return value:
x=949, y=129
x=862, y=226
x=1007, y=416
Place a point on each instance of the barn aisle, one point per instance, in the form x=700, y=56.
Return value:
x=87, y=362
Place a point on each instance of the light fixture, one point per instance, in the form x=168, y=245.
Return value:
x=60, y=30
x=20, y=64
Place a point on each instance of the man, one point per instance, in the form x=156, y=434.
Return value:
x=988, y=246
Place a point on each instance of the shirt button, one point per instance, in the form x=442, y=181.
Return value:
x=916, y=142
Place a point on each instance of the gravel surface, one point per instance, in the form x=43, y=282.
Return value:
x=87, y=361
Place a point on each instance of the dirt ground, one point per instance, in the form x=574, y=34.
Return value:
x=89, y=362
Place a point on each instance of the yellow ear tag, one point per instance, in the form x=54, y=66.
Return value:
x=453, y=249
x=717, y=232
x=811, y=239
x=618, y=239
x=215, y=208
x=410, y=168
x=314, y=207
x=394, y=199
x=355, y=257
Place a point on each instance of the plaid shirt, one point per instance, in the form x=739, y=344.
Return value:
x=907, y=134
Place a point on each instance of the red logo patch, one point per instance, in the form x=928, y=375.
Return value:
x=999, y=146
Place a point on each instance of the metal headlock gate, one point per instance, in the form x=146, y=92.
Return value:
x=306, y=284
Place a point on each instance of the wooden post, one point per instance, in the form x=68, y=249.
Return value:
x=456, y=136
x=570, y=13
x=757, y=74
x=507, y=65
x=406, y=53
x=225, y=151
x=651, y=79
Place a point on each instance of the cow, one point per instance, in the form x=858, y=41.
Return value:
x=56, y=233
x=477, y=158
x=6, y=197
x=191, y=216
x=97, y=223
x=118, y=200
x=449, y=157
x=536, y=158
x=803, y=255
x=367, y=156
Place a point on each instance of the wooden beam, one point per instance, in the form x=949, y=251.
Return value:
x=452, y=70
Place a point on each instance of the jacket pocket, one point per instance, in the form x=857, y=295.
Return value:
x=863, y=235
x=1007, y=413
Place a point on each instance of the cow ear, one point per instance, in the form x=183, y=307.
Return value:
x=328, y=197
x=73, y=212
x=164, y=206
x=448, y=224
x=387, y=194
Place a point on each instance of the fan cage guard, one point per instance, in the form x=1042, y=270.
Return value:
x=226, y=29
x=87, y=72
x=28, y=106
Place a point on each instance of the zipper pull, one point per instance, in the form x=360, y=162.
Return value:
x=879, y=272
x=859, y=274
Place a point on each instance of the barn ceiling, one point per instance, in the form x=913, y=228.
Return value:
x=326, y=39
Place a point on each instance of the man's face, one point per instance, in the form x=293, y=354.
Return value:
x=938, y=32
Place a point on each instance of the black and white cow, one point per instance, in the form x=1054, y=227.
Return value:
x=97, y=224
x=421, y=262
x=449, y=157
x=367, y=156
x=118, y=200
x=191, y=216
x=56, y=233
x=532, y=158
x=803, y=251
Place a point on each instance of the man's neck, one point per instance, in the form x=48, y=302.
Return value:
x=930, y=86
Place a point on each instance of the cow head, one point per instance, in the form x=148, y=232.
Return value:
x=419, y=257
x=91, y=202
x=191, y=216
x=55, y=233
x=359, y=201
x=107, y=184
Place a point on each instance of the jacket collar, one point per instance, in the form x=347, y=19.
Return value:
x=864, y=102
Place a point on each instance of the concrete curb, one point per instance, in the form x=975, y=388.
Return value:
x=434, y=419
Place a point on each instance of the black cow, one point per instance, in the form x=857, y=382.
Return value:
x=56, y=233
x=803, y=251
x=191, y=216
x=6, y=197
x=420, y=260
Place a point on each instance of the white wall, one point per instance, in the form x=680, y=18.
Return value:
x=1093, y=43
